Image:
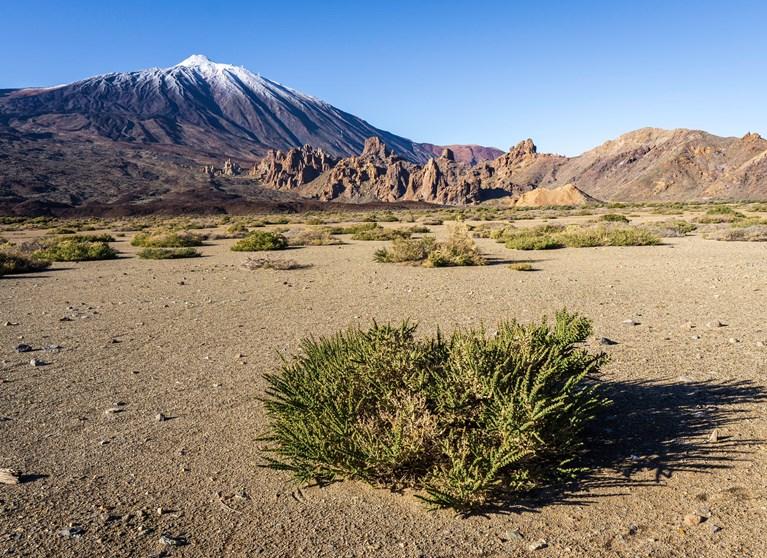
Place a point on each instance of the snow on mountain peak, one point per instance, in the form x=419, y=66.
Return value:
x=196, y=60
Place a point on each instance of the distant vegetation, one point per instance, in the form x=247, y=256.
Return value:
x=69, y=249
x=261, y=240
x=458, y=250
x=547, y=237
x=167, y=239
x=167, y=253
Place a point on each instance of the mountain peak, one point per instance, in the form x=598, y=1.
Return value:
x=196, y=60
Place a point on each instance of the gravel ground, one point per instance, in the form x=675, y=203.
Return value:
x=190, y=339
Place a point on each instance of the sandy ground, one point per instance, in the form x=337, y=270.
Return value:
x=149, y=337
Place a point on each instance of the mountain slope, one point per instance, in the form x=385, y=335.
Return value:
x=199, y=107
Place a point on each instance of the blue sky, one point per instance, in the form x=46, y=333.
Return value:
x=568, y=74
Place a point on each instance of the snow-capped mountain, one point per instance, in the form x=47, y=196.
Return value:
x=215, y=110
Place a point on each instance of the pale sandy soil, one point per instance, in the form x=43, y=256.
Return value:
x=164, y=336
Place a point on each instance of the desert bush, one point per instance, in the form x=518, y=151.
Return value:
x=521, y=266
x=103, y=237
x=69, y=249
x=167, y=239
x=312, y=237
x=261, y=240
x=614, y=218
x=458, y=250
x=671, y=229
x=13, y=261
x=351, y=229
x=754, y=233
x=549, y=237
x=252, y=263
x=405, y=250
x=381, y=233
x=431, y=221
x=468, y=420
x=167, y=253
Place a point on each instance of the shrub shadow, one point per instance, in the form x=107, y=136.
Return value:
x=658, y=428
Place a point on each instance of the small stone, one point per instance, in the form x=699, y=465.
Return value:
x=631, y=322
x=240, y=355
x=714, y=324
x=113, y=411
x=693, y=519
x=74, y=532
x=159, y=417
x=714, y=436
x=7, y=324
x=688, y=325
x=538, y=545
x=760, y=344
x=37, y=362
x=733, y=340
x=9, y=476
x=162, y=511
x=65, y=319
x=607, y=342
x=23, y=348
x=169, y=540
x=512, y=535
x=714, y=528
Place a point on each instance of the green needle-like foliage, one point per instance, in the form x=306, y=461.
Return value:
x=469, y=420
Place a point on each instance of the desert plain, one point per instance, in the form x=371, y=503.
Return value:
x=139, y=432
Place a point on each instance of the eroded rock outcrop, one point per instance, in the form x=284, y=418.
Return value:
x=293, y=168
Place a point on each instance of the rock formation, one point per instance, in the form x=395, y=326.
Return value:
x=293, y=168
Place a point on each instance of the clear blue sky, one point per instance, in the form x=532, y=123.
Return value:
x=568, y=74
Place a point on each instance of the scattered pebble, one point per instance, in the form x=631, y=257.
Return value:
x=512, y=535
x=6, y=324
x=37, y=362
x=715, y=529
x=169, y=540
x=9, y=476
x=23, y=348
x=715, y=324
x=733, y=340
x=714, y=436
x=538, y=545
x=74, y=532
x=159, y=417
x=631, y=322
x=113, y=411
x=693, y=519
x=606, y=341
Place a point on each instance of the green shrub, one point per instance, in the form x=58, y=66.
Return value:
x=167, y=253
x=12, y=261
x=312, y=237
x=71, y=249
x=527, y=241
x=614, y=218
x=468, y=420
x=261, y=240
x=521, y=266
x=670, y=229
x=405, y=250
x=166, y=239
x=458, y=250
x=550, y=237
x=351, y=229
x=381, y=233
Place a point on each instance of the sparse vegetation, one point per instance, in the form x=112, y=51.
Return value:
x=753, y=233
x=167, y=253
x=549, y=237
x=312, y=237
x=12, y=261
x=381, y=233
x=167, y=239
x=458, y=250
x=252, y=263
x=261, y=240
x=469, y=420
x=521, y=266
x=614, y=218
x=69, y=249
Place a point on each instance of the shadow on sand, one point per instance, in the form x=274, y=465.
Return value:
x=658, y=428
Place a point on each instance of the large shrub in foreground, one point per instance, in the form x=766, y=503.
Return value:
x=468, y=420
x=12, y=261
